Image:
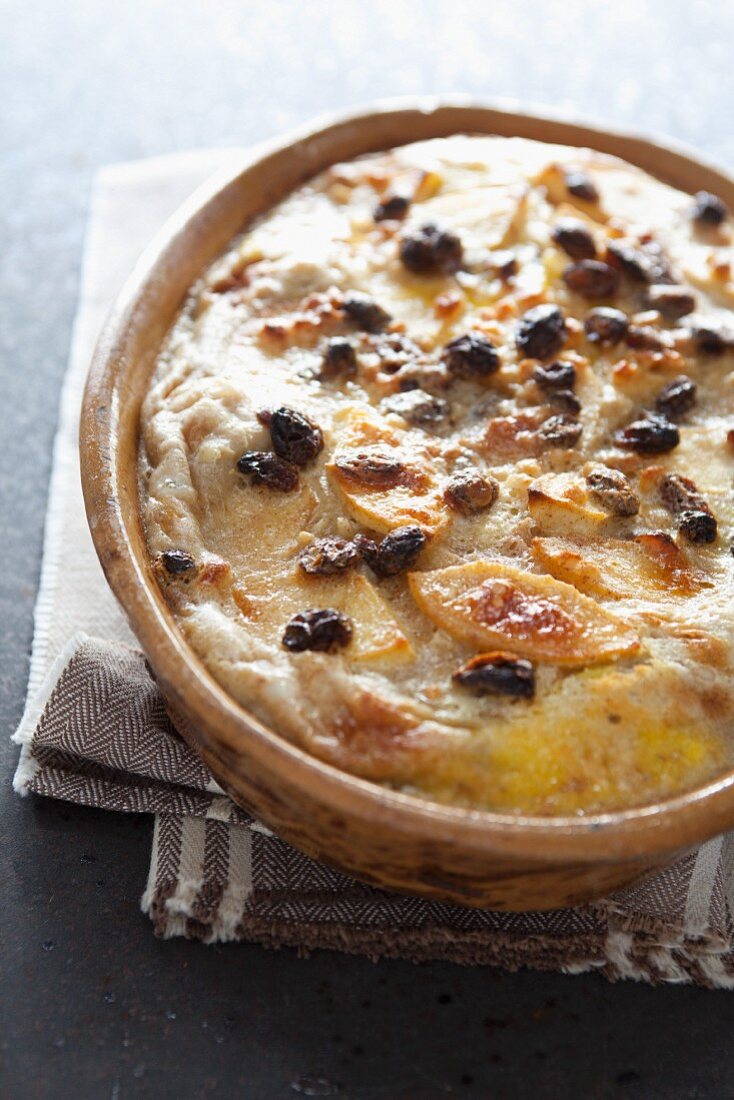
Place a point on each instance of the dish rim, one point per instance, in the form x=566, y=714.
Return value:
x=668, y=825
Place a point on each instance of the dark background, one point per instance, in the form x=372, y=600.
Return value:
x=93, y=1005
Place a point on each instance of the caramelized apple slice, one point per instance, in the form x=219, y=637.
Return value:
x=615, y=569
x=491, y=605
x=561, y=505
x=383, y=483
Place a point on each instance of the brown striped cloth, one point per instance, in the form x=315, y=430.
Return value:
x=104, y=739
x=95, y=732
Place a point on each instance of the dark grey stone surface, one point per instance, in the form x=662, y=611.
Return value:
x=94, y=1006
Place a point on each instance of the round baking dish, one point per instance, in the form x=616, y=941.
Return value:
x=382, y=837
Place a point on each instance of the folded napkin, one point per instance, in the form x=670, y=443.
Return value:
x=95, y=732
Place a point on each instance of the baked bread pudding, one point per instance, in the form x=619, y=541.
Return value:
x=436, y=469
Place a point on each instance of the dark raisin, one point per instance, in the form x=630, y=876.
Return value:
x=397, y=552
x=469, y=492
x=677, y=398
x=712, y=341
x=605, y=326
x=709, y=209
x=580, y=186
x=295, y=437
x=323, y=630
x=373, y=469
x=642, y=263
x=555, y=376
x=176, y=562
x=417, y=407
x=541, y=332
x=561, y=431
x=471, y=356
x=644, y=338
x=592, y=279
x=340, y=360
x=680, y=494
x=651, y=435
x=574, y=238
x=497, y=674
x=400, y=549
x=365, y=312
x=612, y=489
x=265, y=468
x=566, y=400
x=392, y=208
x=672, y=301
x=324, y=557
x=698, y=526
x=431, y=251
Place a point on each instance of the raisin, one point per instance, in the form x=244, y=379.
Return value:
x=365, y=312
x=709, y=209
x=397, y=552
x=612, y=489
x=680, y=494
x=323, y=630
x=370, y=468
x=651, y=435
x=672, y=301
x=340, y=360
x=566, y=400
x=176, y=562
x=644, y=338
x=417, y=407
x=392, y=208
x=468, y=493
x=574, y=238
x=294, y=436
x=327, y=556
x=677, y=398
x=556, y=376
x=471, y=356
x=580, y=186
x=541, y=332
x=712, y=341
x=560, y=431
x=265, y=468
x=431, y=251
x=698, y=526
x=605, y=326
x=497, y=674
x=642, y=263
x=592, y=279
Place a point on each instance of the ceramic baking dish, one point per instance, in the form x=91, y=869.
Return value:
x=382, y=837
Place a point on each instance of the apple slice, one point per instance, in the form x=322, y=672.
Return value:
x=386, y=479
x=619, y=569
x=377, y=635
x=561, y=505
x=488, y=604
